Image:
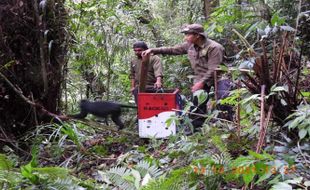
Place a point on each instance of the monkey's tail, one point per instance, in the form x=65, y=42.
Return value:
x=128, y=106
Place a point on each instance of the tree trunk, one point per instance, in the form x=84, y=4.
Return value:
x=208, y=6
x=33, y=47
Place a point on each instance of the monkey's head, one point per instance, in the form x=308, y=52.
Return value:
x=83, y=103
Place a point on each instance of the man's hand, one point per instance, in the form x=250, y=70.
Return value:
x=146, y=58
x=197, y=86
x=146, y=52
x=158, y=83
x=132, y=90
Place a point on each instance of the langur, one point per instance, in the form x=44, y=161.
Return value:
x=102, y=109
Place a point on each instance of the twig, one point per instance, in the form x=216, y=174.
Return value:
x=245, y=42
x=202, y=115
x=18, y=91
x=99, y=157
x=302, y=154
x=238, y=116
x=252, y=80
x=235, y=69
x=215, y=85
x=99, y=126
x=7, y=139
x=34, y=111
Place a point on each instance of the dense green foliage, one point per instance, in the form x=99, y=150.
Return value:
x=74, y=155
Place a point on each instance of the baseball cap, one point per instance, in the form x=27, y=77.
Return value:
x=194, y=29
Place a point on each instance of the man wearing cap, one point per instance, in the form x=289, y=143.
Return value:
x=204, y=54
x=154, y=71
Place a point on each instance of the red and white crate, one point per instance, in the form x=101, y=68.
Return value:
x=153, y=111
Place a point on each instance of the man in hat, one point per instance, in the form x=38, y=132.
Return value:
x=204, y=54
x=154, y=71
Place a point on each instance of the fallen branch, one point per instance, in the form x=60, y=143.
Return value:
x=8, y=140
x=101, y=127
x=238, y=115
x=62, y=117
x=203, y=115
x=38, y=106
x=307, y=162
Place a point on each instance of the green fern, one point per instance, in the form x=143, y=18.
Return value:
x=164, y=184
x=132, y=178
x=145, y=168
x=72, y=133
x=9, y=179
x=52, y=172
x=252, y=165
x=218, y=143
x=177, y=180
x=219, y=163
x=64, y=184
x=300, y=119
x=224, y=159
x=184, y=179
x=118, y=176
x=5, y=164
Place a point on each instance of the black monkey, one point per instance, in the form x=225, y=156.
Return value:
x=102, y=109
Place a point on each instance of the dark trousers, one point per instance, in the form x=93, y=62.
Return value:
x=226, y=111
x=224, y=87
x=197, y=121
x=135, y=94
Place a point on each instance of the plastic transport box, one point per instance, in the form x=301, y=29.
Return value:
x=153, y=111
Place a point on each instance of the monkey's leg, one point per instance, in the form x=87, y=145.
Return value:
x=117, y=120
x=81, y=115
x=103, y=120
x=106, y=120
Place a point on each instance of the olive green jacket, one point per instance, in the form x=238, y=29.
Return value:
x=204, y=60
x=155, y=70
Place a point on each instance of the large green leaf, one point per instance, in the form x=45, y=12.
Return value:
x=302, y=133
x=281, y=186
x=248, y=177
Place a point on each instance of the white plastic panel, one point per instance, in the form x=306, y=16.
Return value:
x=155, y=127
